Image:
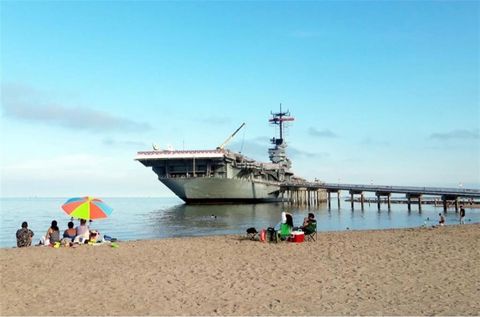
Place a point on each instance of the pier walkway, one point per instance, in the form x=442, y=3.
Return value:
x=308, y=193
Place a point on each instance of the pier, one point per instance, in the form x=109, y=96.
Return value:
x=313, y=193
x=304, y=195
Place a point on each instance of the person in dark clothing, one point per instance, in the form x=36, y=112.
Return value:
x=24, y=236
x=70, y=232
x=309, y=224
x=462, y=215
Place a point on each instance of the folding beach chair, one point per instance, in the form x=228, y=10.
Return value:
x=251, y=233
x=285, y=231
x=311, y=231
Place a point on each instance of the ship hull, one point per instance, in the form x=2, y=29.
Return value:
x=203, y=190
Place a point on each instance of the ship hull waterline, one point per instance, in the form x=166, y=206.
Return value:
x=203, y=190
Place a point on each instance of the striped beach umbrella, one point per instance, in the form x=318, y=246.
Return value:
x=86, y=208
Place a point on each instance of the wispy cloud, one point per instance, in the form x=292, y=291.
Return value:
x=325, y=133
x=25, y=103
x=127, y=143
x=257, y=148
x=216, y=120
x=368, y=141
x=295, y=152
x=461, y=134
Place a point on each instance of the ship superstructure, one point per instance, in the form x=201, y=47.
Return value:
x=221, y=175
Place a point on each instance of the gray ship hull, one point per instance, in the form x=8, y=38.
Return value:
x=214, y=190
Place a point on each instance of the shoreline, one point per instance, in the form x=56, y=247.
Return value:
x=411, y=271
x=433, y=224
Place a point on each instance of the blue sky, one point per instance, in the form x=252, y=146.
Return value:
x=382, y=92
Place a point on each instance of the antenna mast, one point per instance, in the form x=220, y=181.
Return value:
x=279, y=118
x=277, y=153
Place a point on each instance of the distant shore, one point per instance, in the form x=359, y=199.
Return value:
x=383, y=272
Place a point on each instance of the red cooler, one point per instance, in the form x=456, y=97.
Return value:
x=298, y=236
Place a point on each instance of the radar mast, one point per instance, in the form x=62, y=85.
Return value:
x=278, y=154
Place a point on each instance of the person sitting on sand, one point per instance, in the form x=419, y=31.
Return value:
x=95, y=236
x=83, y=232
x=286, y=225
x=287, y=219
x=70, y=233
x=52, y=236
x=441, y=221
x=309, y=224
x=24, y=236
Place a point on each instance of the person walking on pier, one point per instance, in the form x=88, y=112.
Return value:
x=462, y=215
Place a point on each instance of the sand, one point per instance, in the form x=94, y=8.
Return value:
x=384, y=272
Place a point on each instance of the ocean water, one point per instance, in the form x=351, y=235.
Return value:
x=156, y=218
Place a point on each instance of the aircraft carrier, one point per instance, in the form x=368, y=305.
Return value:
x=222, y=176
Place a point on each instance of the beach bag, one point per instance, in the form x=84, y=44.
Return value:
x=272, y=234
x=108, y=238
x=263, y=235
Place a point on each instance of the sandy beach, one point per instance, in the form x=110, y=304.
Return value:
x=384, y=272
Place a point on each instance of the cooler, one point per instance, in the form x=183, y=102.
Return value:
x=298, y=236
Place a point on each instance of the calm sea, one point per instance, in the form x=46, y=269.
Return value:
x=154, y=218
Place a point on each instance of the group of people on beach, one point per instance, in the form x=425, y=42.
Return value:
x=71, y=235
x=286, y=226
x=83, y=234
x=285, y=229
x=441, y=220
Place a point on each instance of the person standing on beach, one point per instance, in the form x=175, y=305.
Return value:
x=24, y=236
x=462, y=215
x=441, y=222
